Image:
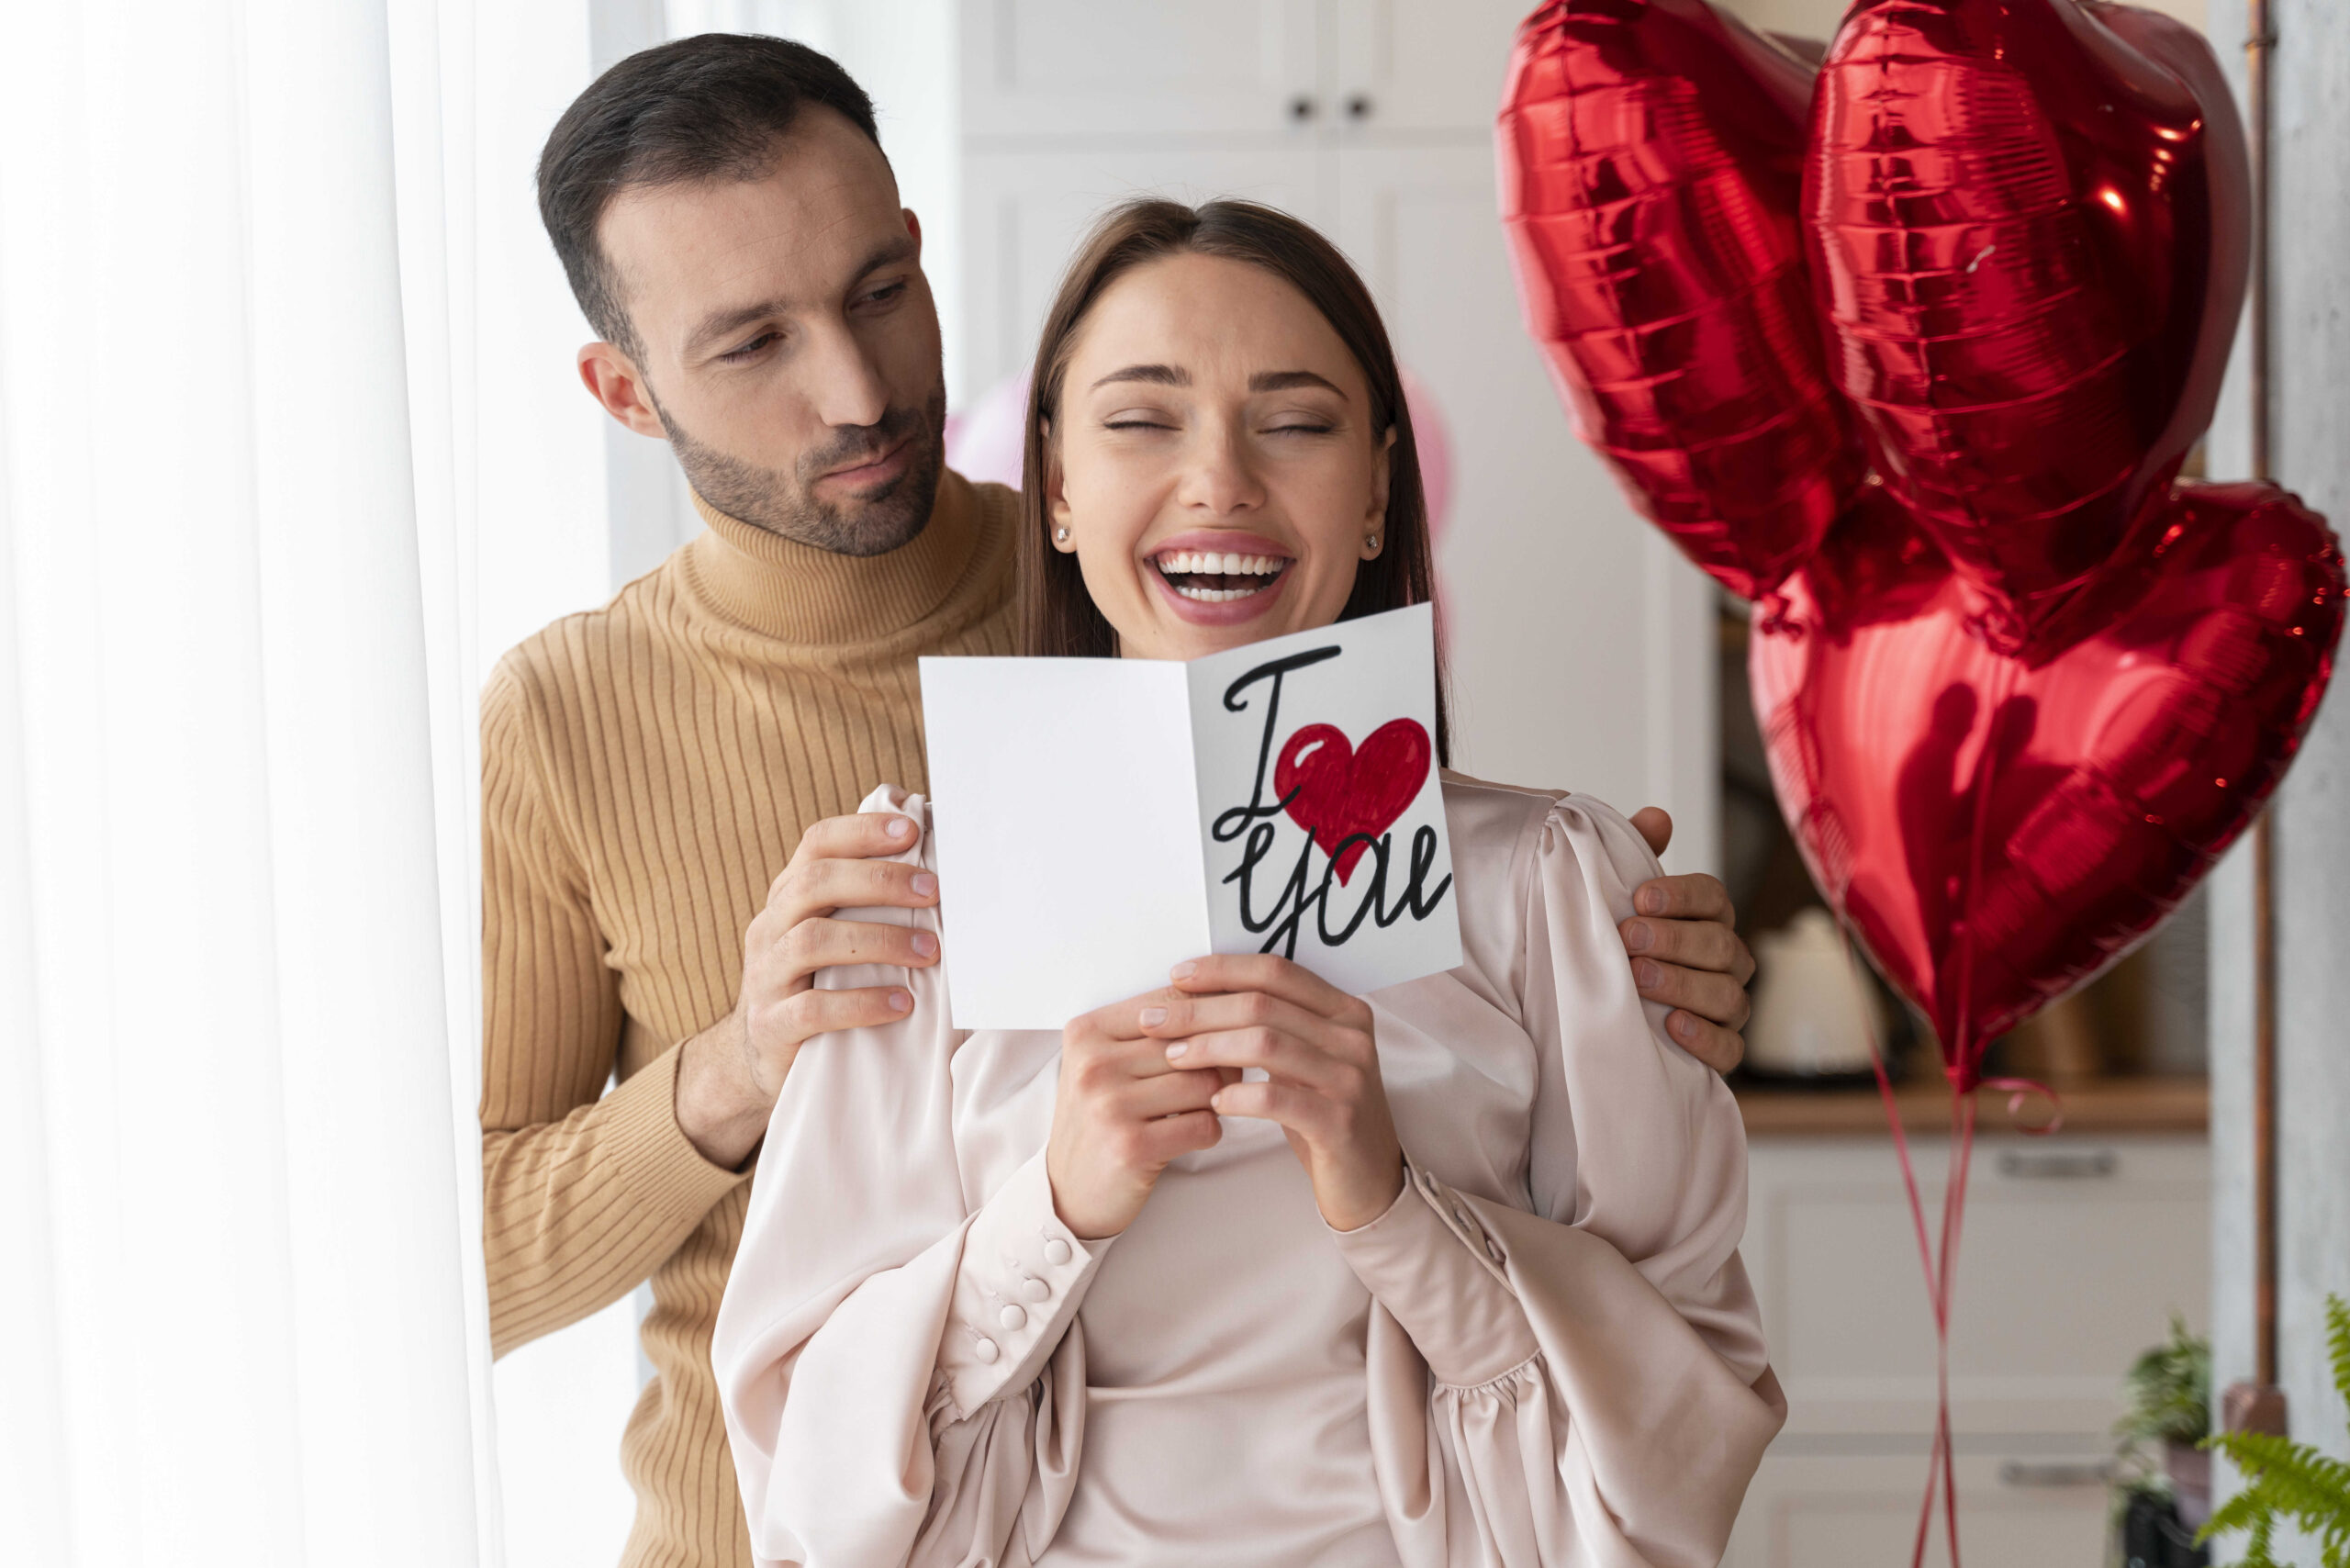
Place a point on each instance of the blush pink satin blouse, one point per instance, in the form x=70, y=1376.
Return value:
x=1546, y=1352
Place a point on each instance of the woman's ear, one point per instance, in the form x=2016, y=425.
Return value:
x=1382, y=468
x=1056, y=509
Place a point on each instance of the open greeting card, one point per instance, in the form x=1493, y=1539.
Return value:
x=1099, y=820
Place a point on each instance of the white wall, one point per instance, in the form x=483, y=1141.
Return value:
x=2312, y=811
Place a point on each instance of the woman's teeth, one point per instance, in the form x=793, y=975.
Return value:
x=1211, y=572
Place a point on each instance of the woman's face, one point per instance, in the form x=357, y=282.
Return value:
x=1214, y=460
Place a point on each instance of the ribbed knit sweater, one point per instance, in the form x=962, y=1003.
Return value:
x=647, y=770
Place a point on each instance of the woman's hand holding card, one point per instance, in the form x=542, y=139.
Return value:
x=1315, y=1045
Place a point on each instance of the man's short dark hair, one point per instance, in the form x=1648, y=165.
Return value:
x=700, y=108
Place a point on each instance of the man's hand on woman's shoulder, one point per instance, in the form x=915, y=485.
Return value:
x=729, y=1075
x=1686, y=953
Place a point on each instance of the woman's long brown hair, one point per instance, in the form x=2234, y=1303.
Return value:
x=1057, y=618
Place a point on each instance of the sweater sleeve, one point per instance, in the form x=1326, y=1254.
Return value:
x=584, y=1193
x=1584, y=1383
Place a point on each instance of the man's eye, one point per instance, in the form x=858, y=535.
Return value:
x=735, y=356
x=885, y=294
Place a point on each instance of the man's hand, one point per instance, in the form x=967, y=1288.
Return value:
x=1686, y=954
x=729, y=1074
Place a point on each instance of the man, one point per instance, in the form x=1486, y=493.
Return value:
x=664, y=779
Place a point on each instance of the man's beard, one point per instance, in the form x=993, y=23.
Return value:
x=785, y=504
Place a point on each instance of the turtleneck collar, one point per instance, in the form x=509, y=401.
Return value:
x=797, y=593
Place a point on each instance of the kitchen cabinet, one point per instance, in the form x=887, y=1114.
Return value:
x=2076, y=1250
x=1232, y=68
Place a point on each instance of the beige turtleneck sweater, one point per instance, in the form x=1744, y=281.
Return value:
x=647, y=770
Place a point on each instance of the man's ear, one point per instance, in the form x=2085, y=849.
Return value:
x=613, y=380
x=914, y=226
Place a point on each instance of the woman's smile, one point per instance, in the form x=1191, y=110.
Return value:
x=1218, y=578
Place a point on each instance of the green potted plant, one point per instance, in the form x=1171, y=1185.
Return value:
x=2163, y=1482
x=2290, y=1481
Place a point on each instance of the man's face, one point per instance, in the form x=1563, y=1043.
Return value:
x=789, y=342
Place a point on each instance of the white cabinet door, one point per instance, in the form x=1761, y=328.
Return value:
x=1582, y=644
x=1024, y=212
x=1095, y=67
x=2076, y=1250
x=2023, y=1505
x=1409, y=66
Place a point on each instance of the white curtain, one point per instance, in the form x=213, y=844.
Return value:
x=288, y=439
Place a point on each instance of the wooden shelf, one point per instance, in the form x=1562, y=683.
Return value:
x=2101, y=1105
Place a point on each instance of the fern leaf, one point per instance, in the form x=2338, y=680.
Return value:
x=2337, y=1343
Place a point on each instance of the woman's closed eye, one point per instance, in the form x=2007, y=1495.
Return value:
x=1141, y=420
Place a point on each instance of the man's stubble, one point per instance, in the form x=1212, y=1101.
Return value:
x=782, y=503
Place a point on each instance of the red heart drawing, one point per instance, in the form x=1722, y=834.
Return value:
x=2060, y=803
x=1344, y=797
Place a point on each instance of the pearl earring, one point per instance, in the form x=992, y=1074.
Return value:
x=1060, y=534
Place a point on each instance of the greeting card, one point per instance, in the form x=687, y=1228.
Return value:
x=1100, y=820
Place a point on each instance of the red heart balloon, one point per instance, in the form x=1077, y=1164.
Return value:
x=2027, y=224
x=1650, y=155
x=1998, y=828
x=1347, y=798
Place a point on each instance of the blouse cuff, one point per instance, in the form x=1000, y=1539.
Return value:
x=1021, y=1280
x=1441, y=1276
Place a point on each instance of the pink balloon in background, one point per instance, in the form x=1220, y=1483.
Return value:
x=985, y=440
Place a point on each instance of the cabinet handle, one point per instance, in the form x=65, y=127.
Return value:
x=1302, y=108
x=1359, y=107
x=2057, y=1165
x=2055, y=1472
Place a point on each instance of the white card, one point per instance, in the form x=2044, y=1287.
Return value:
x=1099, y=820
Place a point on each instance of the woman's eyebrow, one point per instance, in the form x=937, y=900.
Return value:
x=1286, y=380
x=1157, y=375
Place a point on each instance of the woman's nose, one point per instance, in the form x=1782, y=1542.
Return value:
x=1218, y=475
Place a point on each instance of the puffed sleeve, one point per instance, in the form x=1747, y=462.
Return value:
x=1586, y=1383
x=902, y=1377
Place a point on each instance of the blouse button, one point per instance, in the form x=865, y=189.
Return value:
x=984, y=1349
x=1057, y=1251
x=1011, y=1317
x=1493, y=1251
x=1035, y=1290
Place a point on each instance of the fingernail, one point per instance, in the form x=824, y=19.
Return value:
x=1685, y=1028
x=1638, y=937
x=1651, y=901
x=1647, y=975
x=925, y=884
x=1184, y=970
x=925, y=944
x=898, y=827
x=900, y=1001
x=1153, y=1016
x=1178, y=1048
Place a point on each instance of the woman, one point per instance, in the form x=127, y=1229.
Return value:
x=1452, y=1279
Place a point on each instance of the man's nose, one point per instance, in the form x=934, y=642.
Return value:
x=849, y=388
x=1219, y=476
